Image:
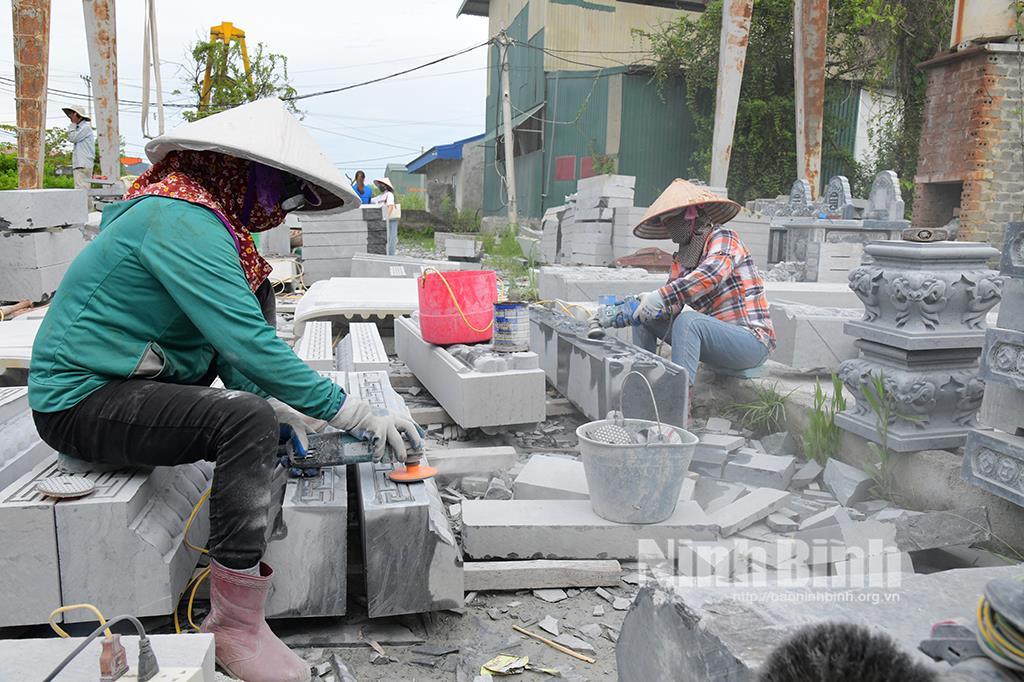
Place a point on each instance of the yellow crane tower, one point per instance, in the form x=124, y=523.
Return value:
x=225, y=33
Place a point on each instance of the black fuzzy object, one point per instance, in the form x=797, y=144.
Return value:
x=841, y=652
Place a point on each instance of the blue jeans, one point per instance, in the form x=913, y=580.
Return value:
x=392, y=236
x=696, y=337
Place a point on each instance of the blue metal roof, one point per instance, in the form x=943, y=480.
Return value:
x=451, y=151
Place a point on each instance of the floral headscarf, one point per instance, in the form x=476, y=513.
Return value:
x=245, y=195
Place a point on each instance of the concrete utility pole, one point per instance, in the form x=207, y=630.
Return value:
x=31, y=65
x=88, y=90
x=506, y=112
x=732, y=55
x=810, y=18
x=101, y=37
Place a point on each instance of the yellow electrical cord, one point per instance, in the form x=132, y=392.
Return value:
x=994, y=635
x=191, y=518
x=62, y=609
x=423, y=284
x=194, y=583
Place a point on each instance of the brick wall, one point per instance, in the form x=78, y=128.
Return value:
x=971, y=145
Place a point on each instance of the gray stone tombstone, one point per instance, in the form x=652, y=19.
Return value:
x=839, y=199
x=885, y=202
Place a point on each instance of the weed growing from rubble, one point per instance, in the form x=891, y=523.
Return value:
x=883, y=405
x=503, y=254
x=821, y=438
x=766, y=413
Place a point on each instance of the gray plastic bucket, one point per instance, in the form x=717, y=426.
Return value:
x=635, y=483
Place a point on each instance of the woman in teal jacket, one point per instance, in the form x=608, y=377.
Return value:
x=171, y=295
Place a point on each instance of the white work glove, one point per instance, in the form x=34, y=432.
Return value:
x=652, y=305
x=300, y=423
x=377, y=425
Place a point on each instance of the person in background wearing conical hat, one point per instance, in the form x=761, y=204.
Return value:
x=83, y=153
x=171, y=295
x=713, y=273
x=387, y=198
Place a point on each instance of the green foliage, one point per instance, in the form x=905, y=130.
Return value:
x=57, y=153
x=603, y=164
x=875, y=42
x=412, y=201
x=883, y=404
x=503, y=254
x=464, y=221
x=766, y=413
x=268, y=71
x=821, y=438
x=420, y=239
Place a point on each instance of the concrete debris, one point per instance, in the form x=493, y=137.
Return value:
x=768, y=471
x=494, y=614
x=604, y=594
x=475, y=486
x=712, y=494
x=711, y=453
x=538, y=574
x=849, y=484
x=549, y=625
x=718, y=425
x=806, y=475
x=574, y=643
x=781, y=524
x=598, y=611
x=758, y=504
x=827, y=517
x=592, y=630
x=621, y=604
x=781, y=443
x=550, y=595
x=498, y=490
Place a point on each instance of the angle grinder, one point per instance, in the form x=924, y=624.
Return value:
x=336, y=448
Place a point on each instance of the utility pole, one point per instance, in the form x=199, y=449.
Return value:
x=31, y=21
x=506, y=107
x=88, y=90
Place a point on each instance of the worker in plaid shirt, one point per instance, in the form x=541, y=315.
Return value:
x=727, y=324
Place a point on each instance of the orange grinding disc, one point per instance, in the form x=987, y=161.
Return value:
x=412, y=473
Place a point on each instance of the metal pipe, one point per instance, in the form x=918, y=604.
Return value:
x=809, y=33
x=31, y=22
x=732, y=55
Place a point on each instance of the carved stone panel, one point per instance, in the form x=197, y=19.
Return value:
x=994, y=461
x=1012, y=263
x=1003, y=358
x=885, y=202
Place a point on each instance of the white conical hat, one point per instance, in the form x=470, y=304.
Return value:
x=679, y=195
x=263, y=131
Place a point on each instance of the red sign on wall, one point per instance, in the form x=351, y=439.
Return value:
x=565, y=168
x=587, y=167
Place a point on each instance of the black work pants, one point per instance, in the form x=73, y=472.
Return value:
x=140, y=422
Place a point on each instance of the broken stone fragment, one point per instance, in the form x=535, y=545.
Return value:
x=806, y=475
x=497, y=490
x=550, y=625
x=718, y=425
x=551, y=596
x=574, y=643
x=598, y=611
x=781, y=524
x=605, y=594
x=621, y=604
x=780, y=443
x=849, y=484
x=494, y=613
x=591, y=630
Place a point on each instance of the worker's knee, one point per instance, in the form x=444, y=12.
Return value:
x=250, y=416
x=688, y=322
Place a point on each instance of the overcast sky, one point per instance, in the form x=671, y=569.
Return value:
x=329, y=43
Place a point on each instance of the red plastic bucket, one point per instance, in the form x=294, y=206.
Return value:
x=457, y=306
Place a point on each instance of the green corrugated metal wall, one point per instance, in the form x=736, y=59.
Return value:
x=657, y=135
x=842, y=108
x=577, y=114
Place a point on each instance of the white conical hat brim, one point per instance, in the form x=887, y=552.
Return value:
x=263, y=131
x=680, y=194
x=386, y=182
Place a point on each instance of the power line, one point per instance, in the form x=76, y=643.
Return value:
x=362, y=139
x=295, y=98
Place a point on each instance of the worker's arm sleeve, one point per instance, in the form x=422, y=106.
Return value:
x=78, y=133
x=706, y=277
x=191, y=254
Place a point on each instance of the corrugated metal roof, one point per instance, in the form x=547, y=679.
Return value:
x=451, y=151
x=517, y=120
x=475, y=8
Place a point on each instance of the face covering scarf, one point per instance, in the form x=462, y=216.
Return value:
x=689, y=229
x=245, y=195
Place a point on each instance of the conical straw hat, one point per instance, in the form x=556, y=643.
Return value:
x=386, y=182
x=679, y=195
x=266, y=132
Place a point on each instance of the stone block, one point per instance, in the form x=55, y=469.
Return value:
x=403, y=525
x=477, y=387
x=42, y=248
x=812, y=338
x=315, y=346
x=712, y=494
x=552, y=478
x=570, y=283
x=33, y=209
x=22, y=447
x=457, y=462
x=362, y=350
x=849, y=484
x=920, y=296
x=567, y=529
x=750, y=508
x=308, y=548
x=35, y=284
x=1002, y=359
x=375, y=265
x=806, y=475
x=1003, y=408
x=768, y=471
x=314, y=271
x=1012, y=262
x=1011, y=306
x=543, y=573
x=676, y=631
x=137, y=515
x=349, y=297
x=31, y=659
x=994, y=461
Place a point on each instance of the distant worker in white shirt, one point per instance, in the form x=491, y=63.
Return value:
x=84, y=153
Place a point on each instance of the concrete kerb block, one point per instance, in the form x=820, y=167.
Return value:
x=22, y=447
x=541, y=574
x=568, y=529
x=362, y=350
x=37, y=249
x=456, y=462
x=32, y=209
x=315, y=346
x=812, y=338
x=478, y=388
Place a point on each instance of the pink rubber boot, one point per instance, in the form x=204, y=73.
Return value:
x=245, y=646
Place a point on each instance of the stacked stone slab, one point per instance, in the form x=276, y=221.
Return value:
x=828, y=236
x=584, y=283
x=22, y=448
x=994, y=457
x=41, y=232
x=624, y=242
x=811, y=338
x=922, y=331
x=551, y=235
x=329, y=241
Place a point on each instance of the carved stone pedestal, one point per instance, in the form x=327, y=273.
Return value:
x=922, y=332
x=994, y=454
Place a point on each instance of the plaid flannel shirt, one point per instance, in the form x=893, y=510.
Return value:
x=725, y=285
